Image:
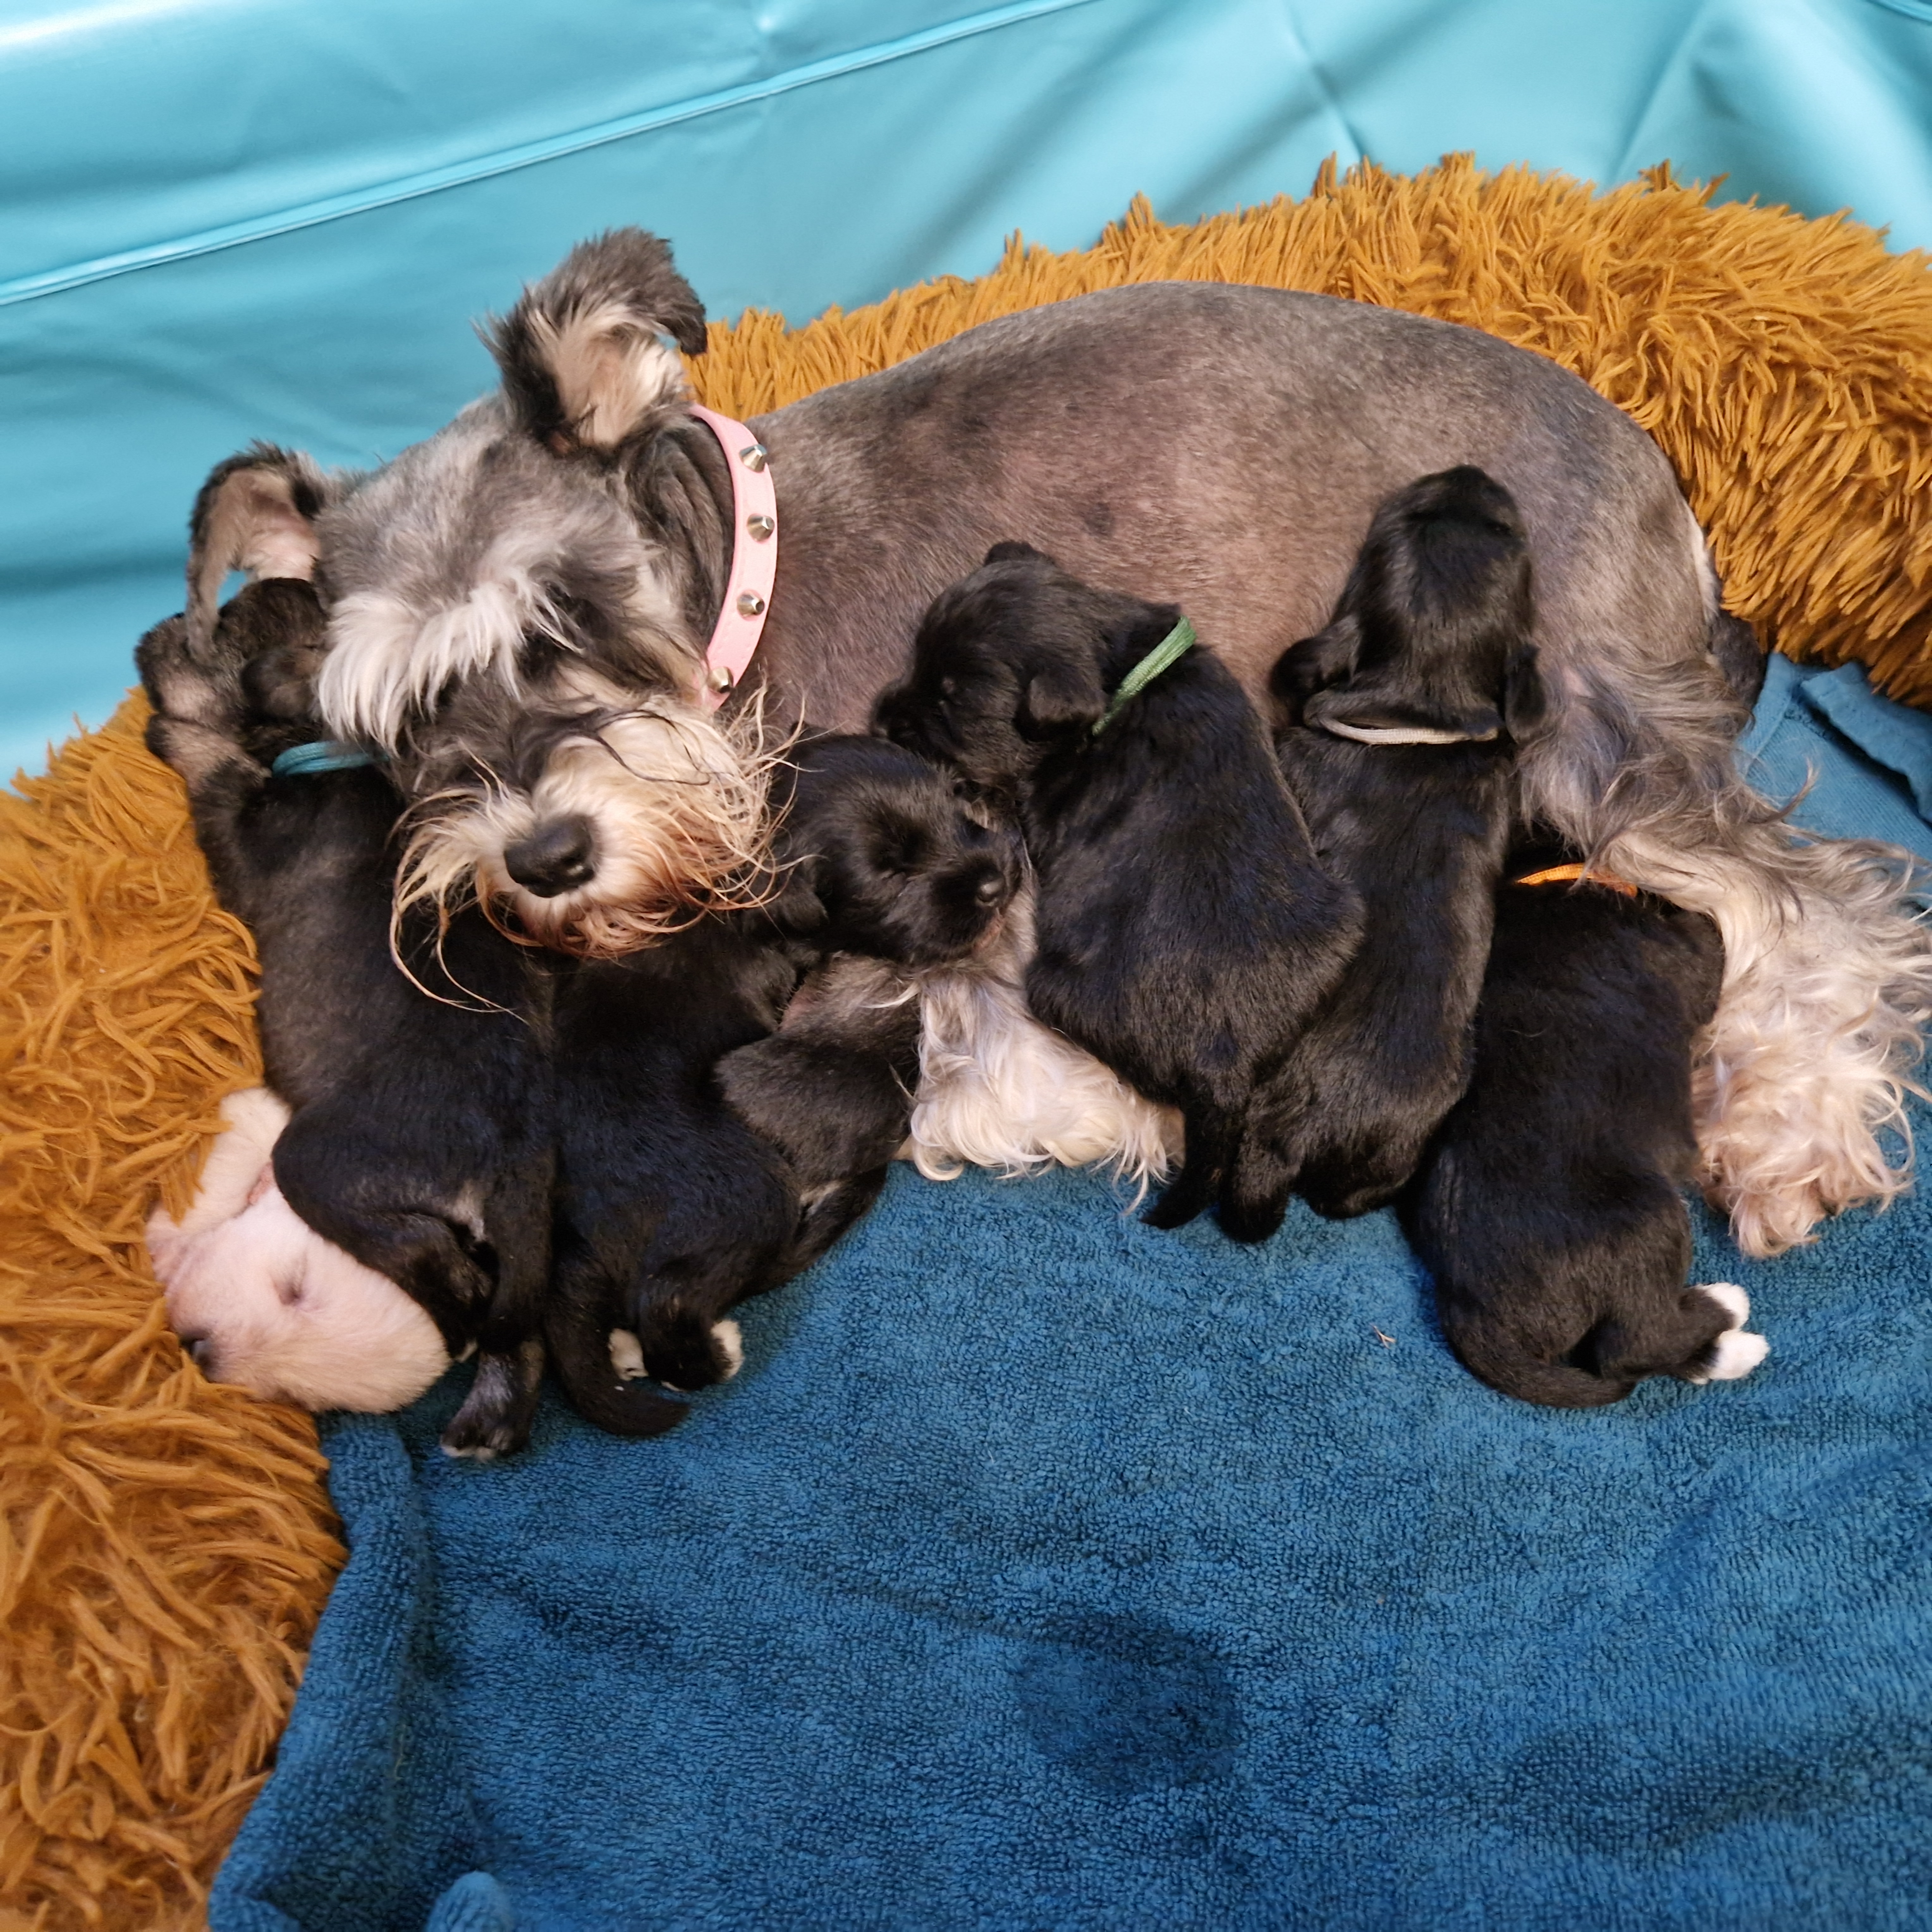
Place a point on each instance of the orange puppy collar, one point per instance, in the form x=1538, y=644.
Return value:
x=1574, y=875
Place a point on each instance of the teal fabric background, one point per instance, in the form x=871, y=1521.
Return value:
x=225, y=219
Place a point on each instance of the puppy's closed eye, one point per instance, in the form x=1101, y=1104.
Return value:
x=900, y=849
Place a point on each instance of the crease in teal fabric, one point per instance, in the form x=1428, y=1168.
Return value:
x=530, y=153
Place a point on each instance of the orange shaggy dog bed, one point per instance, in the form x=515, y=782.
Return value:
x=168, y=1543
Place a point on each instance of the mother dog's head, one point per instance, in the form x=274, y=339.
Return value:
x=518, y=609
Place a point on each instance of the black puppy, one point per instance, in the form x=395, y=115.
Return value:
x=888, y=872
x=704, y=1158
x=1398, y=729
x=1186, y=931
x=670, y=1210
x=420, y=1139
x=1548, y=1208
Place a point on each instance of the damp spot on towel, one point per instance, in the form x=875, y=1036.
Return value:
x=1128, y=1705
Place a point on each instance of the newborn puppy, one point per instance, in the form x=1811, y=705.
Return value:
x=1548, y=1208
x=670, y=1210
x=1397, y=735
x=418, y=1141
x=255, y=1291
x=703, y=1158
x=1186, y=933
x=888, y=874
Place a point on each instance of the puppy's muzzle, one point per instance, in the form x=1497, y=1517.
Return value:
x=557, y=857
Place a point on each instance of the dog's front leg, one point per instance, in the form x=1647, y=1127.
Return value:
x=496, y=1416
x=1212, y=1144
x=1267, y=1158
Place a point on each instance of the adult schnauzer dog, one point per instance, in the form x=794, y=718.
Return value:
x=343, y=1251
x=1548, y=1210
x=518, y=609
x=1403, y=717
x=1185, y=932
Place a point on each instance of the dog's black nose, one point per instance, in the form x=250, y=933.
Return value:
x=553, y=858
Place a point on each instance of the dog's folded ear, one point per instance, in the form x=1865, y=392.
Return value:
x=1064, y=694
x=1525, y=697
x=256, y=513
x=797, y=911
x=1313, y=665
x=1361, y=712
x=584, y=363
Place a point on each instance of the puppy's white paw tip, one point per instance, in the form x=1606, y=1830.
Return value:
x=1737, y=1355
x=1731, y=1298
x=627, y=1354
x=731, y=1341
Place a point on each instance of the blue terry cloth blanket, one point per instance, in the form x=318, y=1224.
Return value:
x=1041, y=1570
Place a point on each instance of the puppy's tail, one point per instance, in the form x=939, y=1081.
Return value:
x=579, y=1339
x=1549, y=1385
x=1702, y=1339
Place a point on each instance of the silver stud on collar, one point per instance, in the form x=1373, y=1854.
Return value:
x=753, y=456
x=759, y=528
x=749, y=604
x=720, y=678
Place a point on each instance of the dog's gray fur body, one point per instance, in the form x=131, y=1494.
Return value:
x=1219, y=448
x=542, y=576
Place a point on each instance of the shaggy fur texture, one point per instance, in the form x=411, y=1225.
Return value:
x=168, y=1541
x=177, y=1541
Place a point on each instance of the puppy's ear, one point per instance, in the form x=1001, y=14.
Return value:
x=798, y=911
x=1014, y=552
x=257, y=513
x=1525, y=697
x=584, y=365
x=286, y=642
x=1313, y=665
x=1064, y=694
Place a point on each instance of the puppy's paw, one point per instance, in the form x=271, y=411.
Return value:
x=686, y=1357
x=482, y=1431
x=202, y=753
x=1731, y=1298
x=627, y=1355
x=478, y=1444
x=1734, y=1354
x=496, y=1416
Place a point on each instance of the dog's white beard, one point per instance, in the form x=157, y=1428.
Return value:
x=1827, y=984
x=286, y=1315
x=676, y=801
x=997, y=1089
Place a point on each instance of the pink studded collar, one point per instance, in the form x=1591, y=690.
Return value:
x=755, y=558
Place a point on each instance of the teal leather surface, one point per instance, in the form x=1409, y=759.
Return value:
x=223, y=219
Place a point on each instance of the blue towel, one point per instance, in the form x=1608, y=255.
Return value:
x=1041, y=1570
x=1867, y=762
